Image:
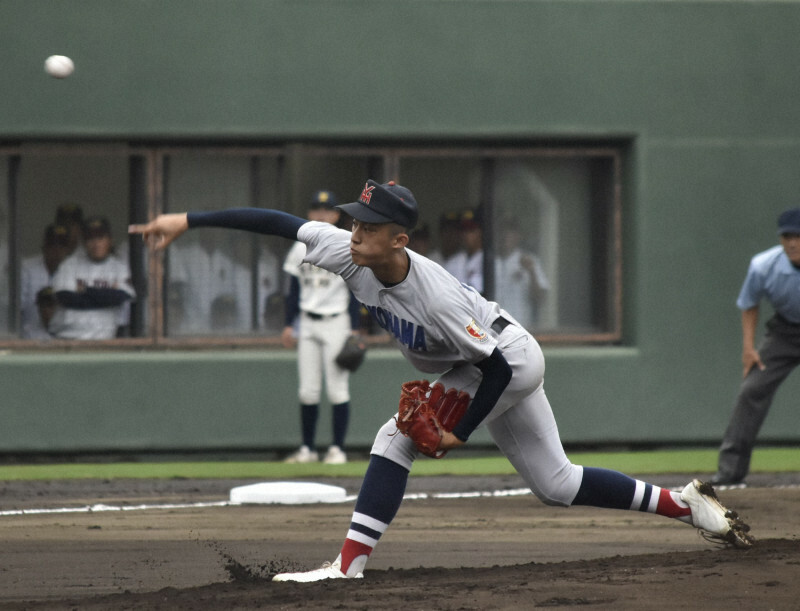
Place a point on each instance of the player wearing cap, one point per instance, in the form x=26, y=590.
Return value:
x=70, y=215
x=37, y=272
x=91, y=287
x=472, y=236
x=443, y=326
x=773, y=275
x=520, y=283
x=325, y=314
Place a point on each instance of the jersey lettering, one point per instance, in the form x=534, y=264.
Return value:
x=97, y=283
x=419, y=340
x=404, y=331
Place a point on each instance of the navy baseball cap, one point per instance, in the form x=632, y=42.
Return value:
x=789, y=222
x=450, y=219
x=56, y=235
x=386, y=203
x=96, y=226
x=323, y=199
x=69, y=213
x=471, y=219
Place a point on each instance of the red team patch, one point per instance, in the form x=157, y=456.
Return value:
x=475, y=331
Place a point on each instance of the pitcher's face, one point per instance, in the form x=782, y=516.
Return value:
x=371, y=244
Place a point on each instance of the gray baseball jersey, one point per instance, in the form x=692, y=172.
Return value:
x=437, y=322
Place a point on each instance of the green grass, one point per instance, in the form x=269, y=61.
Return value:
x=659, y=461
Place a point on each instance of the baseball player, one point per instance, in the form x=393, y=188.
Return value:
x=91, y=287
x=445, y=327
x=200, y=273
x=520, y=281
x=37, y=272
x=70, y=215
x=326, y=314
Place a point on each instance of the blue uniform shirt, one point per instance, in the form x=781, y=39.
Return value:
x=772, y=276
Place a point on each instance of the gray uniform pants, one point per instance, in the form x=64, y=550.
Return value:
x=521, y=424
x=780, y=353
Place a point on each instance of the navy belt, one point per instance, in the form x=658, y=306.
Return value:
x=499, y=324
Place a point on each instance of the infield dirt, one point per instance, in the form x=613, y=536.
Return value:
x=502, y=552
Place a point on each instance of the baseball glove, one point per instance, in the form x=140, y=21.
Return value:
x=426, y=412
x=351, y=356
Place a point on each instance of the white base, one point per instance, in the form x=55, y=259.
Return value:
x=287, y=493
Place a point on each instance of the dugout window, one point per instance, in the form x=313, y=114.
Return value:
x=47, y=188
x=549, y=220
x=219, y=282
x=538, y=230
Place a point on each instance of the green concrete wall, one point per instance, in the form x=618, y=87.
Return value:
x=173, y=401
x=702, y=94
x=247, y=400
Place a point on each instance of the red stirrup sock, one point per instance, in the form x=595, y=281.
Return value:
x=378, y=501
x=361, y=540
x=671, y=506
x=654, y=499
x=354, y=557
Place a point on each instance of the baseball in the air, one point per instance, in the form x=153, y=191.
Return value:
x=59, y=66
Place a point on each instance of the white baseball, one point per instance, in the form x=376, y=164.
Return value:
x=59, y=66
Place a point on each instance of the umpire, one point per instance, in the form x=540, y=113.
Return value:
x=773, y=275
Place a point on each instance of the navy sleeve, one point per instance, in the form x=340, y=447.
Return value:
x=92, y=298
x=257, y=220
x=496, y=376
x=293, y=301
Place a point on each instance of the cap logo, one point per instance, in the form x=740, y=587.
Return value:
x=366, y=194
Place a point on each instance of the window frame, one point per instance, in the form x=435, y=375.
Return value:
x=152, y=157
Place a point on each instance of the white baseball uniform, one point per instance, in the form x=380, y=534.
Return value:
x=322, y=331
x=513, y=284
x=33, y=277
x=473, y=270
x=205, y=276
x=74, y=274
